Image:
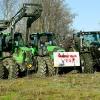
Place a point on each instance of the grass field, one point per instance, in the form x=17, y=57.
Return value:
x=66, y=87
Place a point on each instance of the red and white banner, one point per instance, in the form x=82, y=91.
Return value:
x=66, y=59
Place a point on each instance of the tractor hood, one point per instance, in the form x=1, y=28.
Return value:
x=22, y=54
x=52, y=49
x=25, y=49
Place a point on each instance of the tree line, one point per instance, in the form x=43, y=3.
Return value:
x=56, y=17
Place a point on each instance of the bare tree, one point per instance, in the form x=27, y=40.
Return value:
x=56, y=17
x=7, y=8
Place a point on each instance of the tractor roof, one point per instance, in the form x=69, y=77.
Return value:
x=89, y=32
x=43, y=33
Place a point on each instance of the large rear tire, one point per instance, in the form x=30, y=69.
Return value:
x=87, y=63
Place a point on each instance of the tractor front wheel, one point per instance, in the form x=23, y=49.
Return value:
x=1, y=71
x=50, y=66
x=41, y=67
x=11, y=69
x=87, y=63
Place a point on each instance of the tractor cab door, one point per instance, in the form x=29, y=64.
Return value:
x=1, y=46
x=18, y=40
x=33, y=40
x=43, y=39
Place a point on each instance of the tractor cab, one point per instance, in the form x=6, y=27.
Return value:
x=44, y=43
x=3, y=26
x=42, y=39
x=90, y=38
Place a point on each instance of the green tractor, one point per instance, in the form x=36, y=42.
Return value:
x=88, y=44
x=5, y=50
x=22, y=55
x=17, y=61
x=15, y=56
x=51, y=59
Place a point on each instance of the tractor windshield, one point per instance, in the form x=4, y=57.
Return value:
x=47, y=39
x=91, y=38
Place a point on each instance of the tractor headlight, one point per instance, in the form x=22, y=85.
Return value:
x=29, y=65
x=98, y=49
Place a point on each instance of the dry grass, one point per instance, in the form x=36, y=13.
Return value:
x=66, y=87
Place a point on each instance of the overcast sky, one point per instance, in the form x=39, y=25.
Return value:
x=88, y=14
